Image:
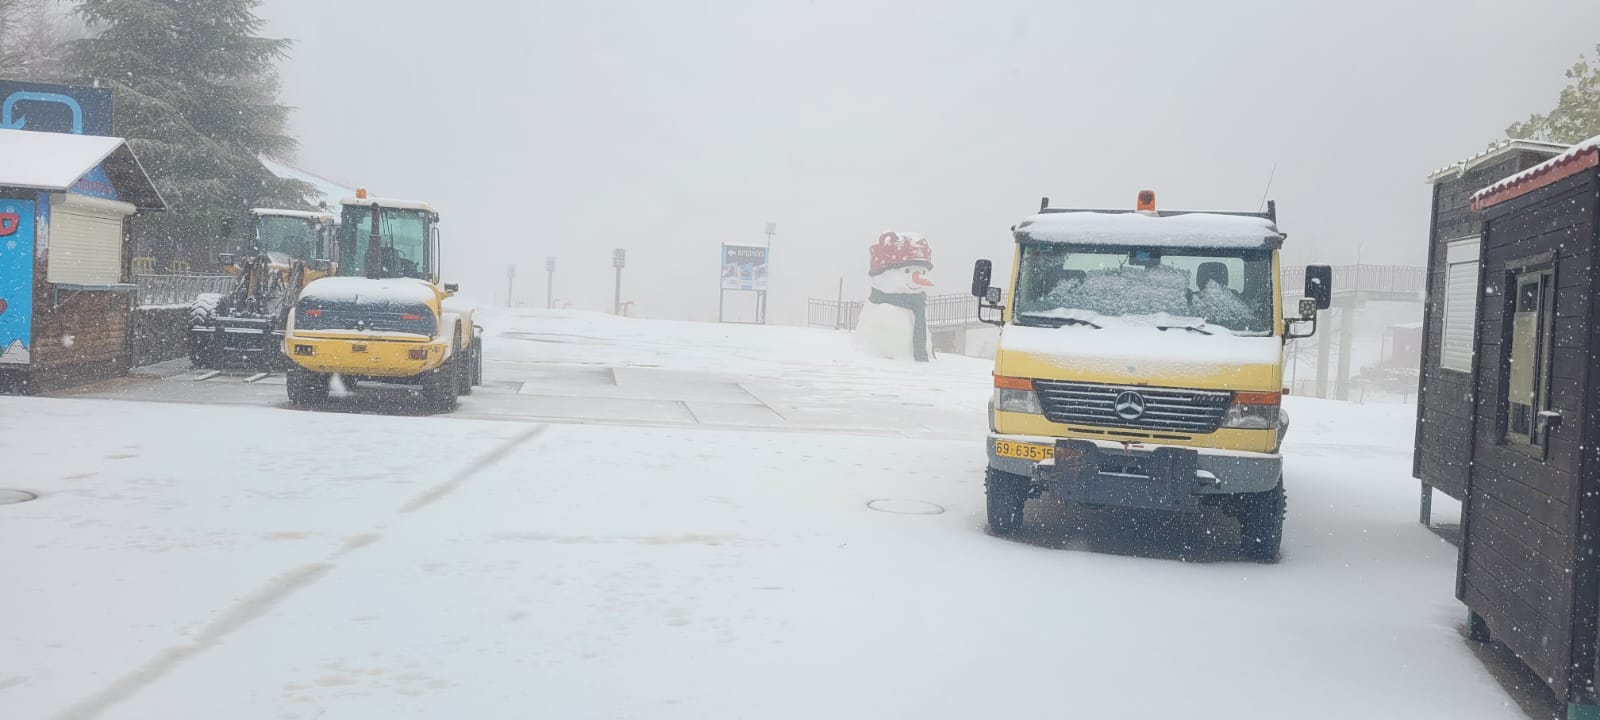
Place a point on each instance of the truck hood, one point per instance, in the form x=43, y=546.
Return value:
x=1141, y=356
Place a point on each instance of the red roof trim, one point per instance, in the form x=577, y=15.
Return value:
x=1560, y=169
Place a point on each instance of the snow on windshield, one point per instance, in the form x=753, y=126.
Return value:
x=1230, y=292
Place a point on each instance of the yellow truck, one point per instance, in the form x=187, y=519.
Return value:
x=1140, y=364
x=386, y=316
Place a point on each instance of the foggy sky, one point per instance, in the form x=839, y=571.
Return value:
x=668, y=128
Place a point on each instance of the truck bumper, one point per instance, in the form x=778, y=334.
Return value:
x=1162, y=477
x=375, y=358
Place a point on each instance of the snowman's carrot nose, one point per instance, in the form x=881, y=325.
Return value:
x=917, y=278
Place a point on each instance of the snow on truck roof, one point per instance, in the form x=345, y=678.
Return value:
x=1189, y=230
x=390, y=203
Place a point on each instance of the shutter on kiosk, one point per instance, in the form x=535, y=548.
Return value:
x=1460, y=305
x=86, y=240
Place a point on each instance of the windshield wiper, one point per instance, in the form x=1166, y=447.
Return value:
x=1191, y=328
x=1059, y=321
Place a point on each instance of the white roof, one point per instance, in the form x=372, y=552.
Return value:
x=322, y=216
x=1188, y=230
x=328, y=191
x=50, y=161
x=1494, y=152
x=1541, y=168
x=389, y=203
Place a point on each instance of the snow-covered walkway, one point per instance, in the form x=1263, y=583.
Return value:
x=207, y=561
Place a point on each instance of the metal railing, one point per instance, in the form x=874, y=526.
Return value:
x=1363, y=278
x=943, y=311
x=177, y=289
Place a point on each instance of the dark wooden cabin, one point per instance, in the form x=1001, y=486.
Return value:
x=1530, y=555
x=1444, y=409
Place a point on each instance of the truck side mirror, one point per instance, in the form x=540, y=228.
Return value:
x=981, y=272
x=452, y=287
x=1319, y=285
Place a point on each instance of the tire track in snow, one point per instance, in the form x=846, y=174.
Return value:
x=268, y=597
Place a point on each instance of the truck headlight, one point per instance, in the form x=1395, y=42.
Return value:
x=1253, y=411
x=1015, y=395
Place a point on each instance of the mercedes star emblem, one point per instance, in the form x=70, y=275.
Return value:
x=1129, y=405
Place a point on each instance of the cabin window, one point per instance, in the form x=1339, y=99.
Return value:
x=1460, y=305
x=1524, y=393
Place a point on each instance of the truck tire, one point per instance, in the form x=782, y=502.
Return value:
x=464, y=370
x=1007, y=494
x=204, y=351
x=477, y=361
x=307, y=388
x=439, y=386
x=204, y=308
x=1261, y=523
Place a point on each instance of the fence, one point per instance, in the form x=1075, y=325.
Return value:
x=943, y=310
x=156, y=290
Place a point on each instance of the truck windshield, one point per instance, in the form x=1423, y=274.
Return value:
x=290, y=237
x=1200, y=290
x=404, y=234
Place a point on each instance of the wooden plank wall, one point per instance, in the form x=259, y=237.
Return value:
x=1519, y=557
x=1444, y=397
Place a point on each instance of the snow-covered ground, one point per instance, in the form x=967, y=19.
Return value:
x=209, y=560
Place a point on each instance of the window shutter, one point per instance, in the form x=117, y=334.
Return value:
x=1460, y=305
x=86, y=240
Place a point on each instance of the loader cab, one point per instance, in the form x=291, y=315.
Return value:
x=288, y=235
x=407, y=239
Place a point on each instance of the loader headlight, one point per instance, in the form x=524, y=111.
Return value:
x=304, y=350
x=1012, y=394
x=1253, y=411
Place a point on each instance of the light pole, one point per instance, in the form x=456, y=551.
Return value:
x=511, y=274
x=619, y=258
x=761, y=297
x=550, y=283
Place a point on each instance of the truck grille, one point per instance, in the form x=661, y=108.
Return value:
x=1171, y=409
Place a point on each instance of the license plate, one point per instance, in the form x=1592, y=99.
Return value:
x=1025, y=451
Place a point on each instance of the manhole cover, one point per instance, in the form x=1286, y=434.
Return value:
x=8, y=497
x=905, y=507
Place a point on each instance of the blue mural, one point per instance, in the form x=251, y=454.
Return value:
x=16, y=280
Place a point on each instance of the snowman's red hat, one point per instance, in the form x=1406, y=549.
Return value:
x=898, y=250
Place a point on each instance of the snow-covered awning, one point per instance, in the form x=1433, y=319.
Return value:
x=1580, y=157
x=55, y=162
x=328, y=192
x=1135, y=229
x=1494, y=153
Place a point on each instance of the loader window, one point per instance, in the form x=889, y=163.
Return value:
x=293, y=238
x=404, y=249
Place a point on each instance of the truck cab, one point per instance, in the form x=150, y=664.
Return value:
x=1140, y=364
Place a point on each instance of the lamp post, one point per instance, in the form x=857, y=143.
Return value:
x=619, y=258
x=511, y=275
x=550, y=282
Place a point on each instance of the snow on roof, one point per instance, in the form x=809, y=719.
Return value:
x=367, y=290
x=328, y=191
x=277, y=212
x=1576, y=159
x=390, y=203
x=1189, y=230
x=55, y=162
x=1493, y=153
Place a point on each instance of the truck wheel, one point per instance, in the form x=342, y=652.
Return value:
x=204, y=308
x=306, y=387
x=203, y=347
x=464, y=371
x=439, y=386
x=1007, y=494
x=477, y=361
x=1261, y=523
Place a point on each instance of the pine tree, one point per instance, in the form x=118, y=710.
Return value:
x=1576, y=116
x=196, y=95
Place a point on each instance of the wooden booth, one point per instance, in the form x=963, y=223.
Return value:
x=66, y=300
x=1444, y=386
x=1529, y=569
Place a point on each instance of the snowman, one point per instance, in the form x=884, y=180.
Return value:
x=894, y=320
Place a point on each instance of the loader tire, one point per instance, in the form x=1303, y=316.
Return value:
x=1006, y=495
x=477, y=361
x=307, y=388
x=204, y=349
x=439, y=386
x=204, y=308
x=464, y=370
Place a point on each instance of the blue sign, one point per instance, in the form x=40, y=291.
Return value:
x=744, y=267
x=16, y=281
x=55, y=108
